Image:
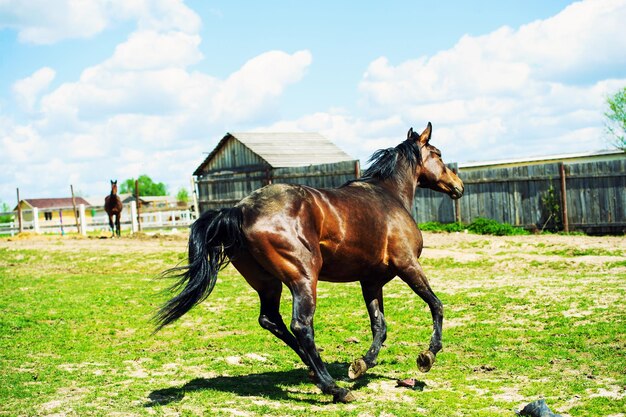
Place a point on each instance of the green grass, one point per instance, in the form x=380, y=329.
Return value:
x=75, y=337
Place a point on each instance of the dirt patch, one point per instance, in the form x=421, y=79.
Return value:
x=462, y=247
x=142, y=243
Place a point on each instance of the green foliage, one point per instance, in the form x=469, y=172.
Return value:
x=441, y=227
x=147, y=187
x=479, y=226
x=616, y=118
x=491, y=227
x=182, y=195
x=6, y=218
x=551, y=203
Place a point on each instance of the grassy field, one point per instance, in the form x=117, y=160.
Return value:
x=527, y=317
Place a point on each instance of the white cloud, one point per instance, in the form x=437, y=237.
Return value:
x=511, y=91
x=48, y=21
x=51, y=21
x=148, y=49
x=28, y=90
x=262, y=79
x=140, y=111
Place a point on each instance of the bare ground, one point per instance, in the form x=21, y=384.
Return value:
x=461, y=247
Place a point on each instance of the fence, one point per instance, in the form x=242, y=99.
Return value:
x=148, y=220
x=589, y=197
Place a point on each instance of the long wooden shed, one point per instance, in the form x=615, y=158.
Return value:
x=589, y=190
x=244, y=162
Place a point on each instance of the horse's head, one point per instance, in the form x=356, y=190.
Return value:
x=113, y=187
x=432, y=172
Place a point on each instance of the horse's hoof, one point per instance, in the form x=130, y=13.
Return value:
x=425, y=360
x=357, y=369
x=343, y=396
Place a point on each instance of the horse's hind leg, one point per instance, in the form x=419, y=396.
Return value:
x=373, y=296
x=416, y=279
x=118, y=225
x=269, y=290
x=304, y=296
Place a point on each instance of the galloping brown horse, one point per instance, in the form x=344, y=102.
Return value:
x=113, y=206
x=296, y=235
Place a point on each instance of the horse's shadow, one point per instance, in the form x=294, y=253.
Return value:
x=277, y=385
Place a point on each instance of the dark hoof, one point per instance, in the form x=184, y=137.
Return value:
x=425, y=360
x=343, y=396
x=357, y=369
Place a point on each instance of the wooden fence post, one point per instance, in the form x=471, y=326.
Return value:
x=563, y=198
x=19, y=212
x=194, y=194
x=74, y=207
x=457, y=202
x=138, y=205
x=133, y=217
x=83, y=220
x=36, y=220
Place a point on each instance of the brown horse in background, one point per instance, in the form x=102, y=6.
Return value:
x=113, y=206
x=295, y=235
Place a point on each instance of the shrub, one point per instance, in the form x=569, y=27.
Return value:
x=479, y=226
x=483, y=226
x=442, y=227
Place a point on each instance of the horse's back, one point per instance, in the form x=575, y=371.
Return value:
x=347, y=231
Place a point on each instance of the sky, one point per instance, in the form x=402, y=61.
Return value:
x=95, y=90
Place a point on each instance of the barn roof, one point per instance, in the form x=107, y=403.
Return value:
x=54, y=203
x=569, y=157
x=285, y=149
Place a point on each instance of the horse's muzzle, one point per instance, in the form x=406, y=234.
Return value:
x=457, y=192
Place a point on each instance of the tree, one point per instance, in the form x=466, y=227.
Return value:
x=147, y=187
x=616, y=118
x=183, y=195
x=6, y=218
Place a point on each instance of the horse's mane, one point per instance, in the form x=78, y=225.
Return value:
x=384, y=162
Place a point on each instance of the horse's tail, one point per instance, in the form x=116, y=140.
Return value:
x=212, y=239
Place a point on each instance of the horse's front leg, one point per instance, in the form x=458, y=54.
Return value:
x=304, y=297
x=414, y=276
x=373, y=296
x=111, y=225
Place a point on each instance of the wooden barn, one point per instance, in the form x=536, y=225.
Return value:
x=244, y=162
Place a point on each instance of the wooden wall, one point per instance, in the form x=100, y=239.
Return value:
x=224, y=189
x=596, y=196
x=595, y=191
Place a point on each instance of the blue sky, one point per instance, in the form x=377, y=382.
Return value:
x=96, y=90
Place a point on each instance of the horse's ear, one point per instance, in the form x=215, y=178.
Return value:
x=409, y=134
x=425, y=136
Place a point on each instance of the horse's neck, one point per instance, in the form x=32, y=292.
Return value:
x=402, y=185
